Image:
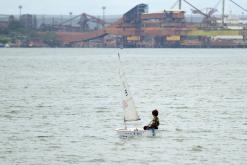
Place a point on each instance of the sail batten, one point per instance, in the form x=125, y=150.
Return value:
x=130, y=112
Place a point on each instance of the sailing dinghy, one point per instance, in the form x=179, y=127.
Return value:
x=130, y=111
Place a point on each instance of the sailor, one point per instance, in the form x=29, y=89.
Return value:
x=154, y=124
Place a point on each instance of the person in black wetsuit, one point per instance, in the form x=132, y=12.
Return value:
x=154, y=124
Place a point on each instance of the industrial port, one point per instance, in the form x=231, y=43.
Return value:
x=137, y=28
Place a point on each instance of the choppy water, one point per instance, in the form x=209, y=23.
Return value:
x=61, y=106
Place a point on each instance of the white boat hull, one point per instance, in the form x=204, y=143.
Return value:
x=133, y=132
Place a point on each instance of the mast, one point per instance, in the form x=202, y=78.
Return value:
x=180, y=5
x=125, y=125
x=130, y=112
x=223, y=13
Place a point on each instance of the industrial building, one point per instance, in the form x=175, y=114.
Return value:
x=28, y=21
x=138, y=28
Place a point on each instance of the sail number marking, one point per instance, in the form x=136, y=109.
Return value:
x=126, y=92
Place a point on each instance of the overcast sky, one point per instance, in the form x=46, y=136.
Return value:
x=94, y=7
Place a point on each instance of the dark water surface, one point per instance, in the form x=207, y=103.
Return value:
x=61, y=106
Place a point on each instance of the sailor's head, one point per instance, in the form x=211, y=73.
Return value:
x=155, y=112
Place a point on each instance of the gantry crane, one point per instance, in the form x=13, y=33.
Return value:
x=208, y=19
x=84, y=20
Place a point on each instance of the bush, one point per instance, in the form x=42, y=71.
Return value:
x=4, y=40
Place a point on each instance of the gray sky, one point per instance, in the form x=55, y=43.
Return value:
x=94, y=7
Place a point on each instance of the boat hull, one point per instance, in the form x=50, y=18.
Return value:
x=134, y=132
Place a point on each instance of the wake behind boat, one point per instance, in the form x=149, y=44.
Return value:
x=130, y=111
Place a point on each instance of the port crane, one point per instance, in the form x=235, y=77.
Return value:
x=84, y=20
x=208, y=19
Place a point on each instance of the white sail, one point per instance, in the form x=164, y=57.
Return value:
x=130, y=112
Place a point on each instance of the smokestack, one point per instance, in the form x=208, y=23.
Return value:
x=180, y=4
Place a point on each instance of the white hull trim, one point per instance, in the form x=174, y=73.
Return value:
x=134, y=132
